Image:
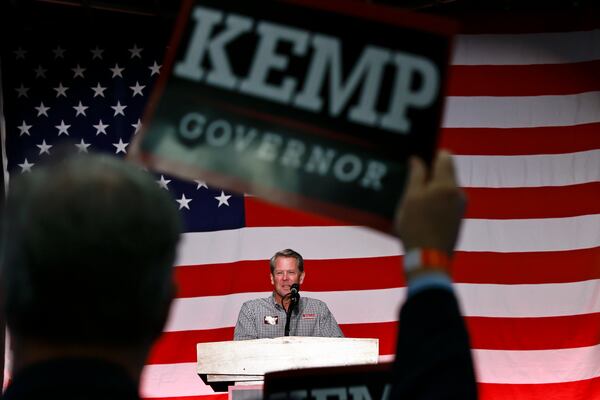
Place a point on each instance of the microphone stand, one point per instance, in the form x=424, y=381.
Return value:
x=288, y=313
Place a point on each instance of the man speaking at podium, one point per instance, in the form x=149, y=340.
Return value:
x=284, y=313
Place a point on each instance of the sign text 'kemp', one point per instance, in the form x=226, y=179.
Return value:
x=325, y=64
x=333, y=393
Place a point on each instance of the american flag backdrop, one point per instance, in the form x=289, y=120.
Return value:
x=523, y=119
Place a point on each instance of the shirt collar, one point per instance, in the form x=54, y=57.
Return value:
x=279, y=307
x=273, y=302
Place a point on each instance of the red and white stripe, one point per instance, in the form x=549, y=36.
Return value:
x=523, y=119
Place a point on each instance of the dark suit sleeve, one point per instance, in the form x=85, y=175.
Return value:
x=433, y=355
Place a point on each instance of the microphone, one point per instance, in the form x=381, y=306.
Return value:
x=295, y=292
x=294, y=300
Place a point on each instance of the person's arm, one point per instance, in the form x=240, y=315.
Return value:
x=433, y=357
x=245, y=328
x=329, y=326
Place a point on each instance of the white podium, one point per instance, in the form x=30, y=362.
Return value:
x=247, y=361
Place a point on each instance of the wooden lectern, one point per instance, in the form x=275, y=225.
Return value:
x=222, y=363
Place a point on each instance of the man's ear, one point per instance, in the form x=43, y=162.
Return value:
x=302, y=277
x=272, y=279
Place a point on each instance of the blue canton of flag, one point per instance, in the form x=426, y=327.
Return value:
x=91, y=98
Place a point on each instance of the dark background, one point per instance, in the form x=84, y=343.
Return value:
x=167, y=9
x=160, y=14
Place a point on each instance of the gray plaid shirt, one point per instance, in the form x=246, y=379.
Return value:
x=264, y=318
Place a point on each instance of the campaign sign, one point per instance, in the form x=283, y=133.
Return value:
x=312, y=104
x=355, y=382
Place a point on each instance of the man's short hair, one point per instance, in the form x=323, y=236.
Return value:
x=288, y=253
x=89, y=244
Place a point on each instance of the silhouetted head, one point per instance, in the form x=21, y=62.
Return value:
x=89, y=242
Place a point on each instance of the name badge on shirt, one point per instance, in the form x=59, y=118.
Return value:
x=309, y=316
x=271, y=320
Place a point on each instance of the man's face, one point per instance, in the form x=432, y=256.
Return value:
x=286, y=273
